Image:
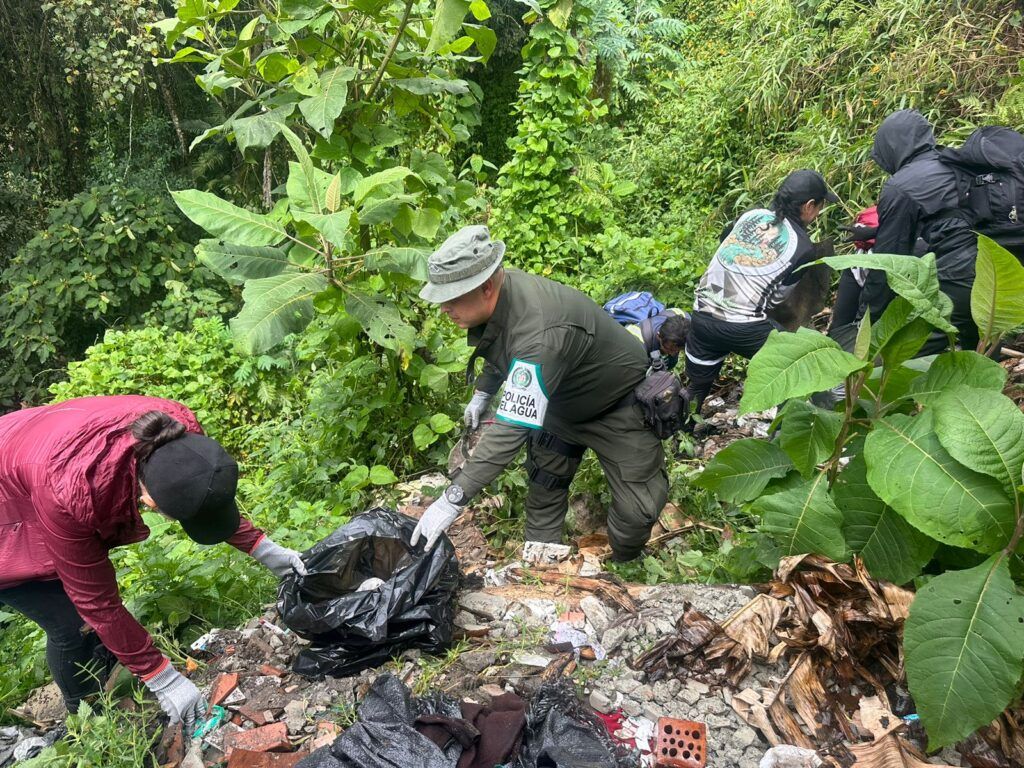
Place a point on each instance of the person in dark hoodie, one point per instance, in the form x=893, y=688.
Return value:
x=920, y=200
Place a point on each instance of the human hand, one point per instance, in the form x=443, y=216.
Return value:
x=279, y=560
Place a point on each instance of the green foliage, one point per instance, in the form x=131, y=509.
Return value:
x=996, y=298
x=202, y=368
x=366, y=100
x=102, y=258
x=890, y=479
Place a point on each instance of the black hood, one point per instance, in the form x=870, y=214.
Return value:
x=902, y=136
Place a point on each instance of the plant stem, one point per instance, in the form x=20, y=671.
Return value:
x=853, y=387
x=391, y=50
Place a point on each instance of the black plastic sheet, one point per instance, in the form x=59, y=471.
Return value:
x=351, y=631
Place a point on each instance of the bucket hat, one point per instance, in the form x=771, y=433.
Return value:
x=463, y=262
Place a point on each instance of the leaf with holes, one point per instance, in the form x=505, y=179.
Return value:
x=808, y=434
x=238, y=263
x=956, y=369
x=275, y=307
x=983, y=430
x=795, y=365
x=381, y=320
x=963, y=645
x=911, y=472
x=259, y=130
x=892, y=549
x=227, y=221
x=740, y=471
x=803, y=519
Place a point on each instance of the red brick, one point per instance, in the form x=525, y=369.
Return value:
x=270, y=669
x=267, y=738
x=326, y=733
x=222, y=686
x=258, y=717
x=243, y=758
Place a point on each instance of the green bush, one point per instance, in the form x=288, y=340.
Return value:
x=229, y=391
x=102, y=259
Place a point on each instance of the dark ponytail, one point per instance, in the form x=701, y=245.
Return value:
x=152, y=430
x=787, y=208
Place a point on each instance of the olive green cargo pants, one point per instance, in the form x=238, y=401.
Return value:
x=634, y=464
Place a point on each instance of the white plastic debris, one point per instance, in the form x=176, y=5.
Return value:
x=370, y=584
x=788, y=756
x=541, y=553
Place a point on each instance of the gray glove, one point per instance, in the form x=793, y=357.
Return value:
x=277, y=559
x=179, y=698
x=435, y=521
x=476, y=409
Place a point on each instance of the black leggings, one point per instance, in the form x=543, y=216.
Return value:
x=71, y=653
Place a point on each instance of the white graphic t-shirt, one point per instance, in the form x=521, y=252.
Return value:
x=747, y=268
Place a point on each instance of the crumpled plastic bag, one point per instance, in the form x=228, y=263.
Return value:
x=561, y=733
x=384, y=734
x=350, y=630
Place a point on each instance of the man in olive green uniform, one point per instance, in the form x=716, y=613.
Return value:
x=569, y=371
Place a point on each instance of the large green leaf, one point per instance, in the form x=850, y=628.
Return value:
x=891, y=548
x=808, y=434
x=963, y=645
x=423, y=86
x=959, y=369
x=997, y=298
x=803, y=519
x=983, y=430
x=227, y=221
x=794, y=365
x=448, y=16
x=899, y=334
x=382, y=321
x=335, y=227
x=740, y=471
x=389, y=176
x=275, y=307
x=407, y=261
x=259, y=130
x=912, y=277
x=307, y=185
x=238, y=263
x=323, y=108
x=911, y=472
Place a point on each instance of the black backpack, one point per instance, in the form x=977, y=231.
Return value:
x=663, y=400
x=989, y=168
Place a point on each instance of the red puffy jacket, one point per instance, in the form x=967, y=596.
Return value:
x=69, y=493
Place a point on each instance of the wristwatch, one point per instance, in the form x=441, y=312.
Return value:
x=455, y=495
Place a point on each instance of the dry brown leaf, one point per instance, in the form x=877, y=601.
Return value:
x=876, y=718
x=753, y=625
x=888, y=752
x=787, y=565
x=749, y=705
x=898, y=600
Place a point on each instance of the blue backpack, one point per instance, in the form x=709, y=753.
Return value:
x=635, y=307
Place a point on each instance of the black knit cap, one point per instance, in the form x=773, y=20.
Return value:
x=193, y=480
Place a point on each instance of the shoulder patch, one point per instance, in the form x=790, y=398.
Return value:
x=524, y=400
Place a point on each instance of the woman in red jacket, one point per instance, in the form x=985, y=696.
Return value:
x=71, y=479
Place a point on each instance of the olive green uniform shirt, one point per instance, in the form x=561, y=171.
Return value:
x=563, y=361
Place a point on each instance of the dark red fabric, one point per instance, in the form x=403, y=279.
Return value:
x=501, y=731
x=68, y=495
x=613, y=722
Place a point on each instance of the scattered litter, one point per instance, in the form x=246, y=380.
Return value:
x=788, y=756
x=217, y=716
x=541, y=553
x=353, y=630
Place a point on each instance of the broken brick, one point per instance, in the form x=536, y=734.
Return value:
x=243, y=758
x=266, y=738
x=222, y=686
x=326, y=733
x=258, y=717
x=270, y=669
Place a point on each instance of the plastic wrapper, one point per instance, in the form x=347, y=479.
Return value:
x=351, y=631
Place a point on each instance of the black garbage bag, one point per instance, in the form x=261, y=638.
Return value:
x=351, y=631
x=384, y=736
x=562, y=733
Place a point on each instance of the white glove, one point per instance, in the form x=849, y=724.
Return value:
x=435, y=521
x=476, y=409
x=370, y=584
x=279, y=560
x=179, y=698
